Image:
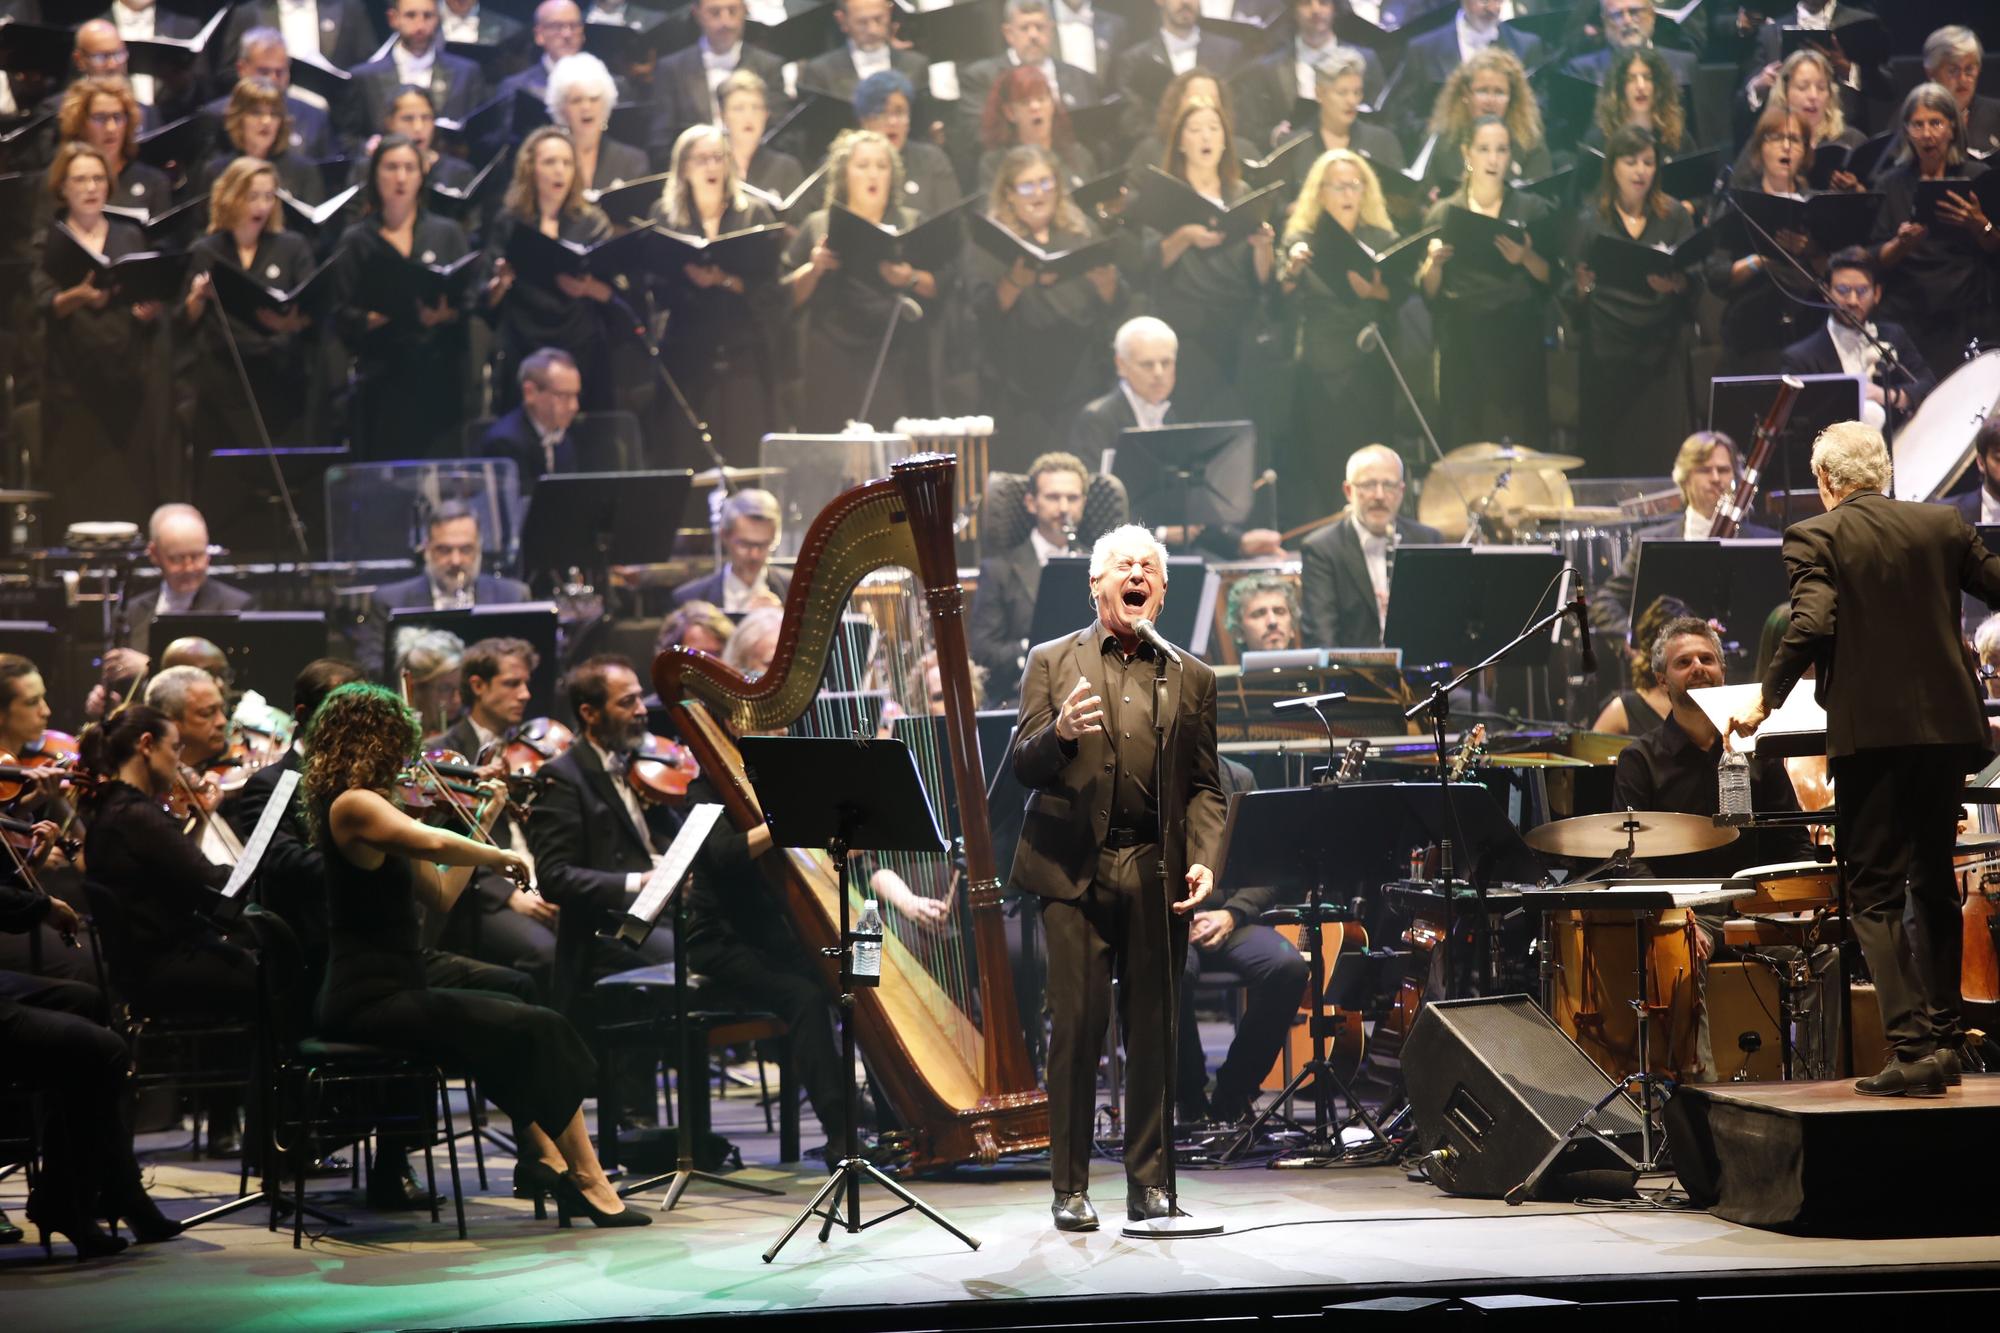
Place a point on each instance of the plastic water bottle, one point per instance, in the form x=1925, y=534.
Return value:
x=866, y=966
x=1732, y=780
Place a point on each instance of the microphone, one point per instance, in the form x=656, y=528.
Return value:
x=1144, y=629
x=1587, y=650
x=1368, y=337
x=912, y=312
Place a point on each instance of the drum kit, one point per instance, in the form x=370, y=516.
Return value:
x=1504, y=493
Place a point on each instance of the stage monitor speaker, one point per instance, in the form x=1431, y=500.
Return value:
x=1495, y=1085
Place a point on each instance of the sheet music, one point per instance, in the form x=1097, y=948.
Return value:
x=1800, y=714
x=260, y=837
x=672, y=865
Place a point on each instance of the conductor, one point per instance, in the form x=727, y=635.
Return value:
x=1875, y=608
x=1103, y=837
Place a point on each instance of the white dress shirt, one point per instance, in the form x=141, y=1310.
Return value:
x=550, y=438
x=1695, y=525
x=458, y=27
x=1989, y=506
x=717, y=66
x=1076, y=34
x=446, y=601
x=1151, y=416
x=736, y=594
x=172, y=603
x=136, y=24
x=1471, y=40
x=1044, y=548
x=413, y=68
x=614, y=14
x=299, y=21
x=1375, y=552
x=613, y=766
x=1307, y=63
x=869, y=62
x=1182, y=52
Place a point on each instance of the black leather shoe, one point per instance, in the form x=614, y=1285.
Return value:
x=1152, y=1203
x=329, y=1167
x=1073, y=1212
x=399, y=1192
x=1949, y=1065
x=1904, y=1078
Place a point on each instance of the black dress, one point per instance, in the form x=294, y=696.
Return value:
x=530, y=317
x=841, y=328
x=1042, y=360
x=1342, y=396
x=1492, y=362
x=723, y=351
x=1942, y=289
x=1213, y=300
x=1637, y=396
x=527, y=1059
x=410, y=382
x=297, y=176
x=774, y=172
x=1762, y=317
x=274, y=362
x=106, y=452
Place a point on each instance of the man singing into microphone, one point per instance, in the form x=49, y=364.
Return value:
x=1106, y=841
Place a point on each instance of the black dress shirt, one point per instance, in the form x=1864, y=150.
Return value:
x=1666, y=770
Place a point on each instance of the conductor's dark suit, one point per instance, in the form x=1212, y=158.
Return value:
x=1875, y=586
x=1101, y=904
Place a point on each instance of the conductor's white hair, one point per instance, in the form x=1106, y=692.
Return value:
x=1851, y=456
x=1142, y=326
x=1128, y=535
x=1986, y=639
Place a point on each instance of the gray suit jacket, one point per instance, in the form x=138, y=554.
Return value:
x=213, y=595
x=1003, y=613
x=1339, y=607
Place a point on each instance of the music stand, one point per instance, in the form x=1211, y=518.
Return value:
x=1062, y=598
x=1460, y=603
x=1736, y=403
x=1183, y=475
x=265, y=649
x=1737, y=581
x=842, y=796
x=594, y=520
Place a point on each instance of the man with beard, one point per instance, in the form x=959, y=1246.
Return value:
x=452, y=552
x=1674, y=768
x=1264, y=613
x=1344, y=568
x=1108, y=845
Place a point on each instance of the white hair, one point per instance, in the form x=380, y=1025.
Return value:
x=582, y=70
x=1142, y=326
x=1100, y=551
x=168, y=690
x=756, y=629
x=1986, y=639
x=1851, y=456
x=1951, y=40
x=167, y=513
x=1367, y=454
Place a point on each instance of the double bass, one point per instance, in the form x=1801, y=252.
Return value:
x=953, y=1066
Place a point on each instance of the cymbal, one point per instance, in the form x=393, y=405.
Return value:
x=1653, y=833
x=1494, y=457
x=710, y=476
x=1579, y=515
x=23, y=497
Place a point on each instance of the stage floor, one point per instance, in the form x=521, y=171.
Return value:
x=1327, y=1234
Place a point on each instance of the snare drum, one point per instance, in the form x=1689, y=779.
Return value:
x=1788, y=886
x=1597, y=980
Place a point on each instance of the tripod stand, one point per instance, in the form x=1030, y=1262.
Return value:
x=845, y=795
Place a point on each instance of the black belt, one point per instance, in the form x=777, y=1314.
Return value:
x=1116, y=839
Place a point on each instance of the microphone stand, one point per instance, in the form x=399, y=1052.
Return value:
x=1373, y=334
x=263, y=433
x=896, y=307
x=642, y=328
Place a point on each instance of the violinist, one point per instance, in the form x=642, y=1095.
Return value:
x=1854, y=342
x=177, y=544
x=497, y=920
x=191, y=699
x=39, y=947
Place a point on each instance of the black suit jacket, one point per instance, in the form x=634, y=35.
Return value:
x=213, y=595
x=514, y=436
x=682, y=98
x=1338, y=598
x=1074, y=88
x=371, y=634
x=1594, y=65
x=1069, y=806
x=708, y=588
x=347, y=37
x=1143, y=71
x=312, y=128
x=1876, y=587
x=1112, y=34
x=1611, y=600
x=457, y=89
x=1430, y=59
x=585, y=846
x=1967, y=504
x=1003, y=614
x=1097, y=427
x=833, y=74
x=1268, y=89
x=1814, y=354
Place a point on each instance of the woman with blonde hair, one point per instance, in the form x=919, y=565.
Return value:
x=1639, y=90
x=246, y=232
x=1492, y=83
x=721, y=345
x=1043, y=340
x=546, y=195
x=844, y=310
x=102, y=112
x=257, y=124
x=1341, y=397
x=1806, y=84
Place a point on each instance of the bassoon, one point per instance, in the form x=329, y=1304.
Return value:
x=1742, y=495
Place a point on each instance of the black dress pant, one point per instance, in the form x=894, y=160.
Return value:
x=52, y=1036
x=1275, y=977
x=1898, y=823
x=505, y=940
x=772, y=976
x=1117, y=929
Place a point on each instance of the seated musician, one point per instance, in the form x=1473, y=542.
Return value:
x=428, y=659
x=699, y=627
x=1228, y=936
x=1704, y=469
x=1344, y=567
x=1263, y=613
x=191, y=698
x=1674, y=769
x=1839, y=346
x=595, y=843
x=38, y=949
x=1981, y=504
x=748, y=524
x=452, y=552
x=1146, y=352
x=536, y=433
x=1638, y=711
x=1003, y=611
x=754, y=645
x=495, y=919
x=177, y=544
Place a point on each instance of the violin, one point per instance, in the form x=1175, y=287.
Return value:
x=535, y=742
x=15, y=777
x=20, y=835
x=661, y=770
x=443, y=780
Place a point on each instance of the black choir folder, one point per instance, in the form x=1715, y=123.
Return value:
x=1166, y=203
x=539, y=260
x=1836, y=220
x=395, y=286
x=133, y=279
x=245, y=298
x=1336, y=252
x=1626, y=264
x=751, y=253
x=928, y=245
x=1471, y=235
x=1009, y=248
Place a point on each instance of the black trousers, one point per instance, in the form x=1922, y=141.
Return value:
x=1898, y=823
x=505, y=940
x=1115, y=930
x=773, y=977
x=1275, y=977
x=52, y=1035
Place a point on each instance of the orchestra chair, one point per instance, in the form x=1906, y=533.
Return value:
x=1004, y=521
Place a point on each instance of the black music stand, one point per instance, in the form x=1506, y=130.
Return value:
x=1737, y=403
x=1284, y=836
x=637, y=924
x=594, y=520
x=1738, y=581
x=1460, y=603
x=842, y=796
x=265, y=648
x=1188, y=474
x=537, y=622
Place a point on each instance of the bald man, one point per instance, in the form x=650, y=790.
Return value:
x=177, y=546
x=1345, y=567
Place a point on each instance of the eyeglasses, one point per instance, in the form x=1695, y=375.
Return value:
x=1377, y=487
x=1346, y=187
x=1853, y=289
x=558, y=25
x=1034, y=189
x=1785, y=137
x=107, y=117
x=708, y=159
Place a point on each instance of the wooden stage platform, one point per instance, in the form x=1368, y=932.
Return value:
x=1296, y=1241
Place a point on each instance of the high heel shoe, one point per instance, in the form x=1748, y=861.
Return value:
x=82, y=1232
x=570, y=1202
x=536, y=1180
x=143, y=1217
